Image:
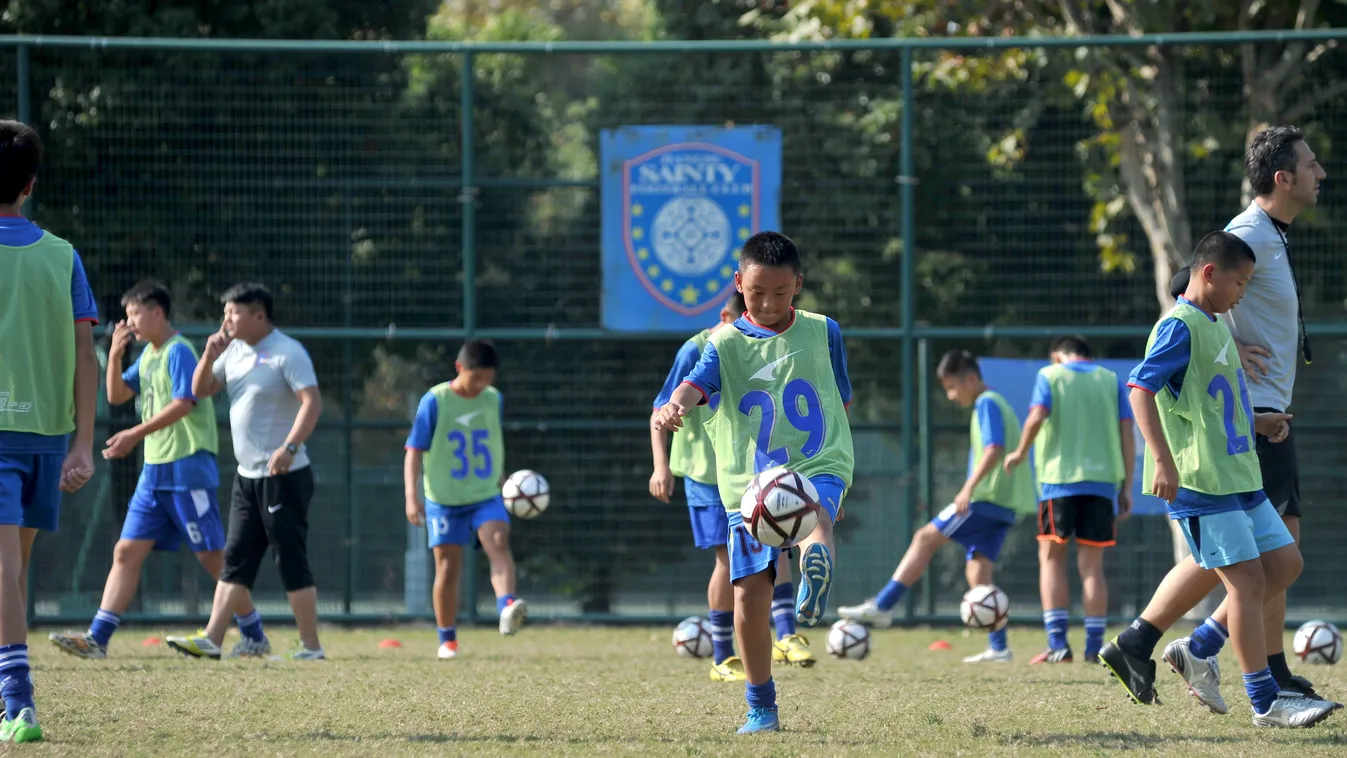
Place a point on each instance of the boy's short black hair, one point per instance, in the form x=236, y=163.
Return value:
x=251, y=294
x=771, y=249
x=1270, y=151
x=477, y=354
x=150, y=294
x=735, y=305
x=20, y=156
x=958, y=363
x=1224, y=250
x=1179, y=284
x=1072, y=344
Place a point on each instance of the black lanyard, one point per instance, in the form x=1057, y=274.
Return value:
x=1300, y=307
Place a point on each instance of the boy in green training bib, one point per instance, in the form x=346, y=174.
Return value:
x=175, y=497
x=982, y=512
x=1080, y=424
x=782, y=378
x=457, y=439
x=1192, y=406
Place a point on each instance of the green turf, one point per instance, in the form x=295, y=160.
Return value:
x=582, y=692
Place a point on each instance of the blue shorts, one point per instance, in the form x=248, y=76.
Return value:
x=30, y=490
x=747, y=555
x=458, y=524
x=1224, y=539
x=981, y=530
x=166, y=516
x=710, y=522
x=831, y=490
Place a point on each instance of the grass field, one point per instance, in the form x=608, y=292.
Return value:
x=582, y=692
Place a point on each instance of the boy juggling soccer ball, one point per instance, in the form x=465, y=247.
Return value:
x=457, y=439
x=693, y=458
x=981, y=514
x=1192, y=406
x=782, y=378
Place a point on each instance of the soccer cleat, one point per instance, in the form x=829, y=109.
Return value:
x=729, y=670
x=79, y=645
x=1052, y=655
x=1290, y=711
x=761, y=720
x=448, y=650
x=1202, y=676
x=512, y=617
x=991, y=656
x=1092, y=658
x=816, y=578
x=793, y=649
x=197, y=646
x=1299, y=685
x=867, y=613
x=22, y=729
x=304, y=654
x=247, y=648
x=1136, y=674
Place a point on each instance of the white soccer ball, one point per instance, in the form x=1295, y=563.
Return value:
x=1318, y=642
x=848, y=639
x=985, y=607
x=692, y=638
x=526, y=494
x=780, y=507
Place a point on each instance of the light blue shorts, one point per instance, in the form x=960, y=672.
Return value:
x=458, y=524
x=1224, y=539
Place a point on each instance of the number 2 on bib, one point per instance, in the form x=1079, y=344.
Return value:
x=1235, y=443
x=805, y=417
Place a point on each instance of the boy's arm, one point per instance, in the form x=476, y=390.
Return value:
x=1166, y=485
x=411, y=478
x=119, y=388
x=991, y=455
x=837, y=353
x=661, y=478
x=696, y=389
x=1164, y=365
x=1037, y=415
x=181, y=366
x=991, y=427
x=78, y=467
x=1126, y=419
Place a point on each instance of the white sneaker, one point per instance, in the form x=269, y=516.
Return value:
x=513, y=616
x=1291, y=711
x=196, y=646
x=867, y=613
x=247, y=648
x=1203, y=675
x=305, y=654
x=448, y=651
x=991, y=656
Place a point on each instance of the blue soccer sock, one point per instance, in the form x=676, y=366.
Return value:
x=722, y=634
x=16, y=685
x=890, y=595
x=250, y=626
x=1094, y=634
x=1262, y=689
x=783, y=609
x=503, y=602
x=762, y=695
x=1055, y=622
x=448, y=634
x=997, y=640
x=104, y=625
x=1208, y=639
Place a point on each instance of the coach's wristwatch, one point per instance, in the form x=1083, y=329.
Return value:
x=291, y=448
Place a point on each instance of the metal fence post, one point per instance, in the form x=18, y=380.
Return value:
x=467, y=199
x=909, y=305
x=25, y=83
x=926, y=456
x=347, y=413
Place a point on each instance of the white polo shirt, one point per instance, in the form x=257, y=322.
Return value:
x=262, y=380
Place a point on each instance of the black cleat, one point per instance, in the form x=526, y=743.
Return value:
x=1299, y=685
x=1136, y=674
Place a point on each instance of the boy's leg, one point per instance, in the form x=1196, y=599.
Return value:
x=123, y=578
x=720, y=599
x=878, y=611
x=1094, y=596
x=1056, y=525
x=448, y=560
x=752, y=571
x=196, y=519
x=817, y=554
x=978, y=570
x=710, y=531
x=1245, y=585
x=491, y=522
x=783, y=599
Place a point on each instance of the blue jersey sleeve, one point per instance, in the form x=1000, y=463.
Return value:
x=423, y=426
x=1042, y=396
x=837, y=351
x=684, y=363
x=705, y=376
x=991, y=423
x=1124, y=405
x=181, y=365
x=132, y=375
x=81, y=295
x=1166, y=361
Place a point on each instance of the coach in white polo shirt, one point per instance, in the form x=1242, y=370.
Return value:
x=274, y=405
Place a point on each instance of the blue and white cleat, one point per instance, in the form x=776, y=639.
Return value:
x=761, y=720
x=816, y=578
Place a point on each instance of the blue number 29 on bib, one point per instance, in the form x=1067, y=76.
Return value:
x=808, y=420
x=1235, y=443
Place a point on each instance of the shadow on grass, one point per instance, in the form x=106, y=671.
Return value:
x=1134, y=740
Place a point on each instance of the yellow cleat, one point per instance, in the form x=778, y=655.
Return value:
x=729, y=670
x=793, y=649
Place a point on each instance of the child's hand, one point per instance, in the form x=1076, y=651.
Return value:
x=662, y=484
x=1166, y=484
x=670, y=417
x=416, y=511
x=1012, y=460
x=1274, y=426
x=963, y=500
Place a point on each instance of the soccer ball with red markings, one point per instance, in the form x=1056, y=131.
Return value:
x=692, y=638
x=1318, y=642
x=985, y=607
x=780, y=507
x=848, y=639
x=526, y=494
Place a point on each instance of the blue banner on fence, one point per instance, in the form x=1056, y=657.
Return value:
x=678, y=201
x=1014, y=379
